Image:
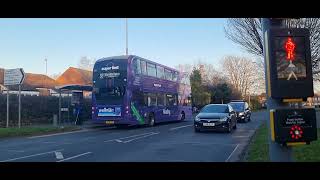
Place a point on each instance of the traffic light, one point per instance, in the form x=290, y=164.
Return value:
x=289, y=79
x=293, y=125
x=289, y=66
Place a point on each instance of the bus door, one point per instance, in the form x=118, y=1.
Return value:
x=161, y=113
x=171, y=107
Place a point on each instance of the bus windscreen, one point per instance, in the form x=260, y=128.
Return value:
x=110, y=80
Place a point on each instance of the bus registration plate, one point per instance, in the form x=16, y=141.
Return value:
x=109, y=122
x=208, y=124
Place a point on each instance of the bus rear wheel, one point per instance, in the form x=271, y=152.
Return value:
x=182, y=116
x=151, y=121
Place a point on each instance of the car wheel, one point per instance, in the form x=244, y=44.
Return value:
x=196, y=129
x=229, y=129
x=151, y=120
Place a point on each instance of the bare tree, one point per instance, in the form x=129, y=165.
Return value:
x=86, y=63
x=247, y=33
x=210, y=76
x=242, y=73
x=186, y=68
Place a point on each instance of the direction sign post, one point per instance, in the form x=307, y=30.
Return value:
x=7, y=107
x=13, y=77
x=19, y=122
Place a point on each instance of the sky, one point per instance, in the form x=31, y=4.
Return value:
x=25, y=43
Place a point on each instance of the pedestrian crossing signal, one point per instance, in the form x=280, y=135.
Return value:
x=289, y=63
x=290, y=47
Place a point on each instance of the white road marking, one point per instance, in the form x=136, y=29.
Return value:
x=59, y=155
x=74, y=157
x=24, y=157
x=56, y=134
x=140, y=137
x=11, y=150
x=232, y=153
x=129, y=137
x=67, y=143
x=49, y=142
x=171, y=129
x=89, y=138
x=240, y=136
x=118, y=140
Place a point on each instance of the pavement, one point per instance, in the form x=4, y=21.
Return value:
x=168, y=142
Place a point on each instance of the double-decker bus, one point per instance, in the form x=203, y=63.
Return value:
x=130, y=90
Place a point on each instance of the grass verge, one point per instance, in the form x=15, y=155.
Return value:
x=258, y=150
x=27, y=131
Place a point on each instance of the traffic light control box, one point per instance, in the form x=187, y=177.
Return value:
x=289, y=68
x=293, y=125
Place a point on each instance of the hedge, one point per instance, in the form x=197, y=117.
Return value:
x=37, y=109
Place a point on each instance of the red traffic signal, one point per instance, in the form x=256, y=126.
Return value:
x=290, y=48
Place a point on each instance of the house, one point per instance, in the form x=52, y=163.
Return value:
x=31, y=83
x=1, y=76
x=75, y=76
x=2, y=88
x=43, y=85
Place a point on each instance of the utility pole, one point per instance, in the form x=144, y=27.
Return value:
x=45, y=79
x=126, y=36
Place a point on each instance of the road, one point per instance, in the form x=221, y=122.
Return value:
x=170, y=142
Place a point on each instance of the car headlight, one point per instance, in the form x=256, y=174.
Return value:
x=224, y=119
x=197, y=118
x=241, y=114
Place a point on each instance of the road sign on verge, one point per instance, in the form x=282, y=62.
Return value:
x=13, y=76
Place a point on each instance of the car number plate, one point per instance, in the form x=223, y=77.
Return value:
x=109, y=122
x=208, y=124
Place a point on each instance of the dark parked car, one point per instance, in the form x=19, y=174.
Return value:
x=242, y=109
x=216, y=117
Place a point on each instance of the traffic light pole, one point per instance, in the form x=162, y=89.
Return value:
x=277, y=152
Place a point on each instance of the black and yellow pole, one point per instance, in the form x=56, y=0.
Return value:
x=277, y=152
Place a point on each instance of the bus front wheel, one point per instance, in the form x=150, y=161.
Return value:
x=151, y=120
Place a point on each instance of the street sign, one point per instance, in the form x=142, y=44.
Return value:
x=13, y=76
x=289, y=63
x=293, y=125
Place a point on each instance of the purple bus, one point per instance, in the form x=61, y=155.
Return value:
x=130, y=90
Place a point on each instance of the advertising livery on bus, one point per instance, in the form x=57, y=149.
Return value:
x=130, y=90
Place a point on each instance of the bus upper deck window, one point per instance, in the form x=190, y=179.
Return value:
x=137, y=66
x=175, y=76
x=168, y=74
x=143, y=67
x=160, y=72
x=151, y=70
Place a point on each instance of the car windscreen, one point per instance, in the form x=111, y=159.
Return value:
x=237, y=106
x=215, y=109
